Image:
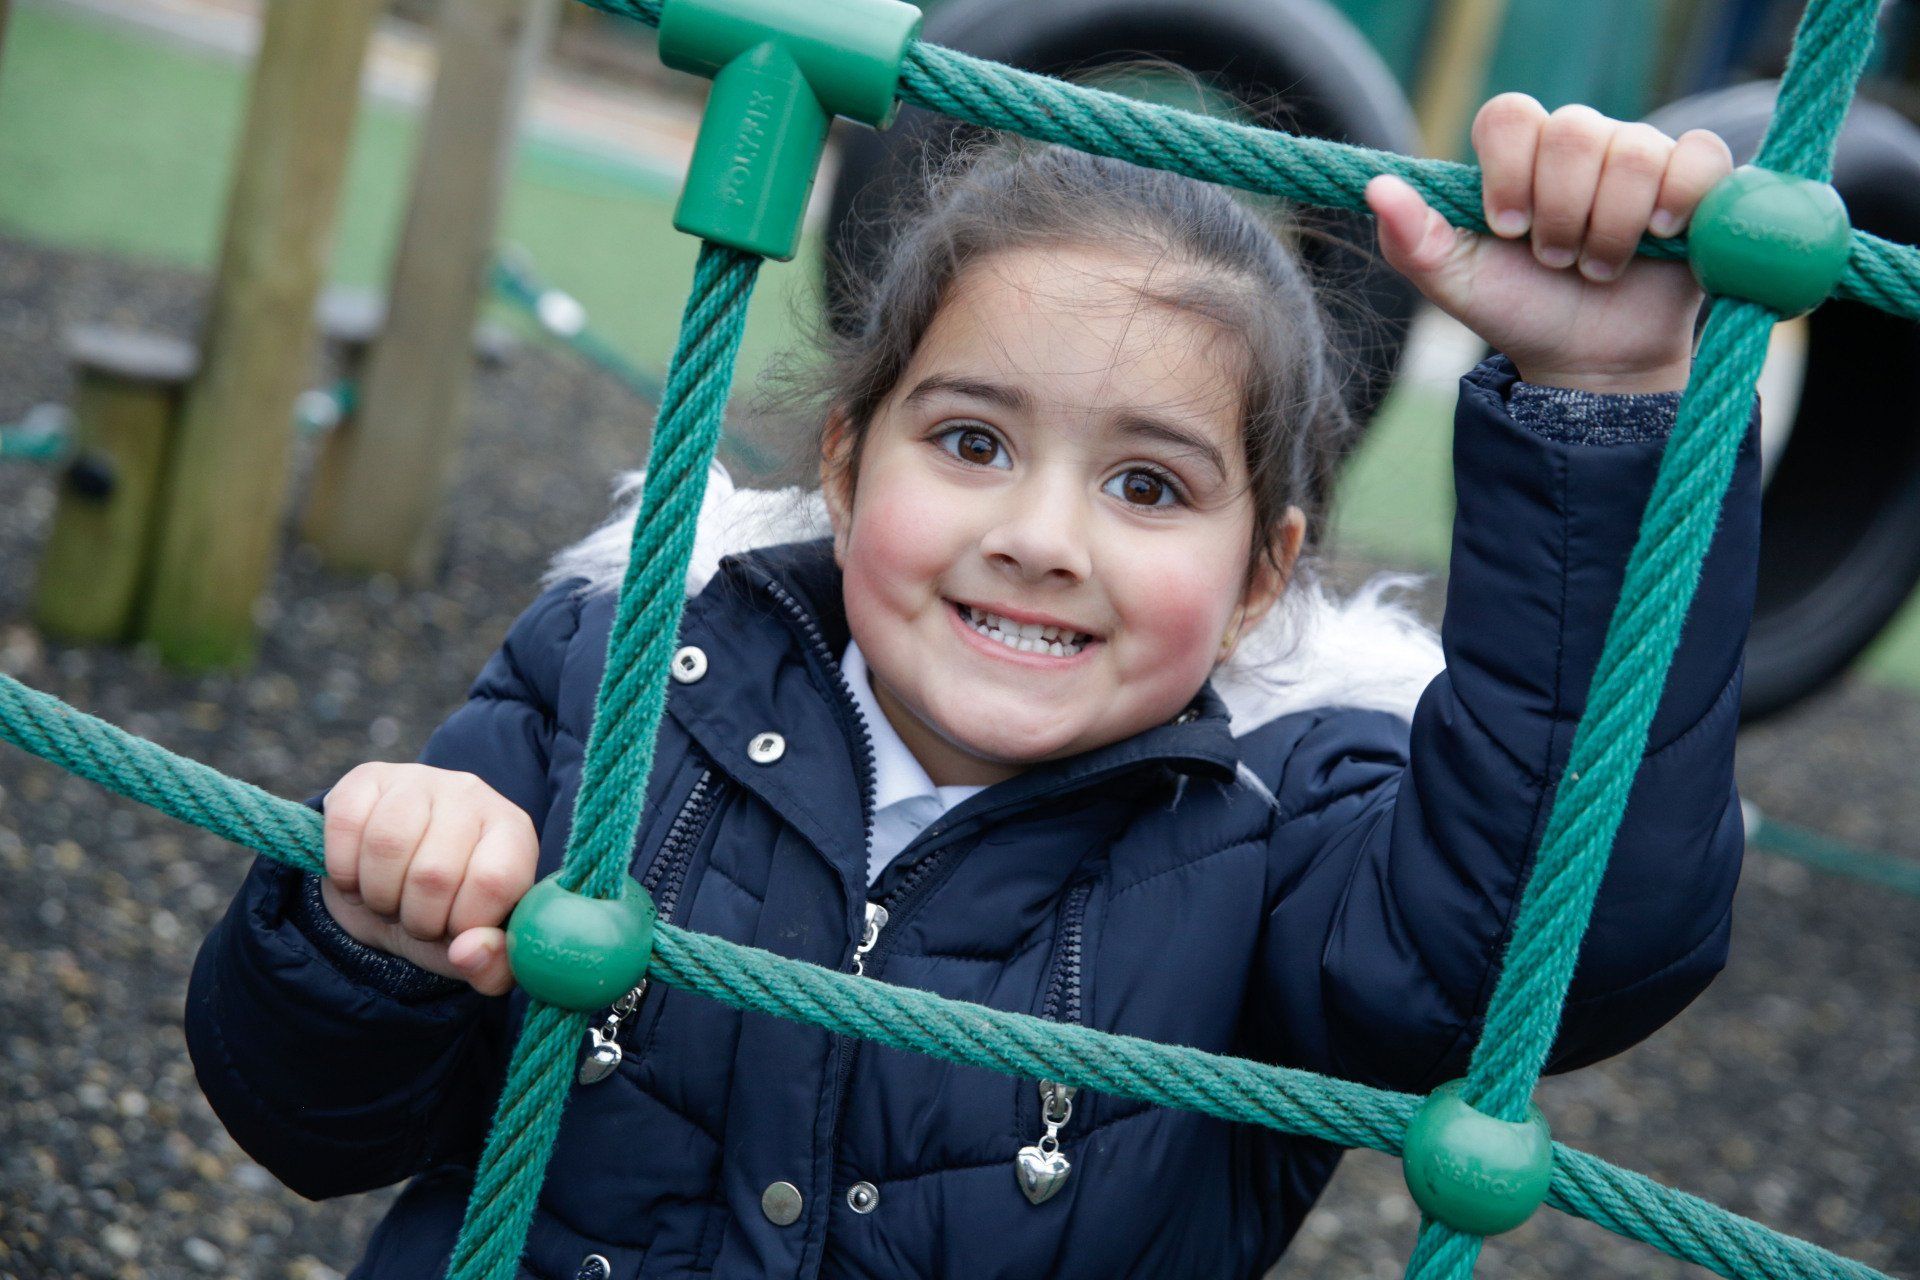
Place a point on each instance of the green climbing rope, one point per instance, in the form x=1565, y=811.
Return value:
x=1524, y=1011
x=1289, y=1101
x=43, y=437
x=1836, y=857
x=633, y=694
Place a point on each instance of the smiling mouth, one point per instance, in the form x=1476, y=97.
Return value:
x=1024, y=637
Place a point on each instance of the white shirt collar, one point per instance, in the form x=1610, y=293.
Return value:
x=897, y=775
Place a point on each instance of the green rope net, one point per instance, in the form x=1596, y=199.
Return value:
x=1523, y=1016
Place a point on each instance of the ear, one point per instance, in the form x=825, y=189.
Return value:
x=837, y=478
x=1268, y=581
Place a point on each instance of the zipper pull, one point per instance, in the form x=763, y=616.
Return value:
x=1040, y=1169
x=603, y=1041
x=869, y=935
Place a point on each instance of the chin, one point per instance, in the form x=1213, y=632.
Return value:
x=1013, y=748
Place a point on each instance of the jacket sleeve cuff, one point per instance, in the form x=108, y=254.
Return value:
x=386, y=973
x=1571, y=416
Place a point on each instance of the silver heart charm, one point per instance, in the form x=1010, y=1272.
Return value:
x=600, y=1060
x=1041, y=1173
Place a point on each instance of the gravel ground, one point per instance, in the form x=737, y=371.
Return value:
x=1789, y=1092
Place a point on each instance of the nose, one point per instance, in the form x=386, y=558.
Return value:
x=1039, y=534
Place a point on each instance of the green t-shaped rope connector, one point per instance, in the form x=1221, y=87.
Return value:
x=782, y=69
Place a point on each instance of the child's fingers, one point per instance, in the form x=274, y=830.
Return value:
x=1699, y=160
x=346, y=810
x=481, y=957
x=1630, y=181
x=500, y=872
x=1566, y=170
x=1506, y=134
x=392, y=833
x=1414, y=239
x=439, y=864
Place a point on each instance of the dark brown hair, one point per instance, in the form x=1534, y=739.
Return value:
x=1239, y=271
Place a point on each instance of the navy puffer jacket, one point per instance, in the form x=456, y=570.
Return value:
x=1328, y=890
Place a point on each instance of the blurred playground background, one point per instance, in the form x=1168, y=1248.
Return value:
x=118, y=121
x=1789, y=1092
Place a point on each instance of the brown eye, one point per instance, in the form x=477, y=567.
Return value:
x=970, y=444
x=1142, y=489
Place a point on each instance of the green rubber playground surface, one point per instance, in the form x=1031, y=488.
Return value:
x=112, y=141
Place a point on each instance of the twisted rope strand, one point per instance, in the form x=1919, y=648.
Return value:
x=1524, y=1012
x=1676, y=530
x=993, y=95
x=619, y=748
x=646, y=625
x=1286, y=1100
x=43, y=725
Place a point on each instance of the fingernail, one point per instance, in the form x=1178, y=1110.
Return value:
x=1555, y=257
x=1598, y=272
x=1510, y=222
x=1663, y=223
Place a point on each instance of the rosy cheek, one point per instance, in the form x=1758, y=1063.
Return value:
x=895, y=554
x=1174, y=613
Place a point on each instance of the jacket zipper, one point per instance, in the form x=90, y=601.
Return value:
x=668, y=873
x=877, y=915
x=896, y=906
x=915, y=886
x=666, y=876
x=1063, y=984
x=1039, y=1168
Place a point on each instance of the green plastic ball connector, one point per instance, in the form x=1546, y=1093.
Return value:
x=781, y=69
x=1473, y=1172
x=576, y=952
x=1771, y=238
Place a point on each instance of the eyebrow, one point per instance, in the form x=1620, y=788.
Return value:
x=1010, y=398
x=1130, y=423
x=1139, y=425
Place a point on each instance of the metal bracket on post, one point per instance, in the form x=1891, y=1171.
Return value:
x=781, y=70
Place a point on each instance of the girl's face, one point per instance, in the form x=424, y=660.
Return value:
x=1059, y=454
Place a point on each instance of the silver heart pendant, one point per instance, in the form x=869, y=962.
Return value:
x=1041, y=1173
x=600, y=1060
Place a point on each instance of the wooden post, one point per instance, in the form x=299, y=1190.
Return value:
x=220, y=520
x=383, y=509
x=350, y=319
x=127, y=398
x=1453, y=76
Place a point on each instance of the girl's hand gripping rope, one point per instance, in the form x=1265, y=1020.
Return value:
x=1558, y=288
x=428, y=864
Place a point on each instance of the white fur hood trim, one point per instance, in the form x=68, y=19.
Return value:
x=1316, y=650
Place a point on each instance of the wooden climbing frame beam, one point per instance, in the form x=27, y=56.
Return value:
x=220, y=521
x=382, y=506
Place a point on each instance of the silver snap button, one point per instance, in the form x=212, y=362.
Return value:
x=689, y=664
x=863, y=1197
x=781, y=1203
x=766, y=748
x=1188, y=716
x=593, y=1267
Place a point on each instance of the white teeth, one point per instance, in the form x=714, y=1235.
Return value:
x=1027, y=637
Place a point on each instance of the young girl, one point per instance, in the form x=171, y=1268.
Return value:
x=969, y=743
